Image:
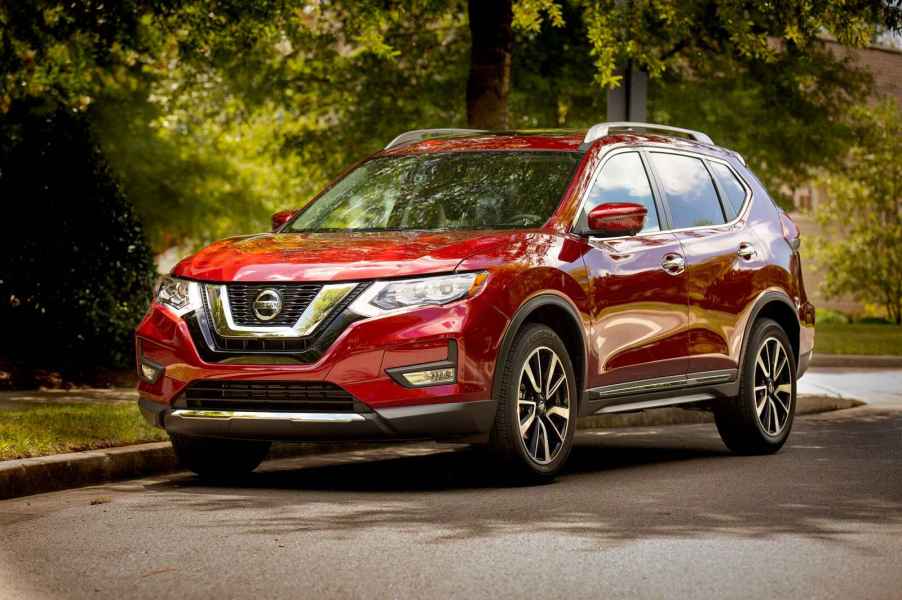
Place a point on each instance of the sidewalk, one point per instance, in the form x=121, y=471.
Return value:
x=877, y=386
x=22, y=399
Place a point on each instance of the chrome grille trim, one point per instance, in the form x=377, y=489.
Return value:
x=269, y=416
x=296, y=297
x=219, y=309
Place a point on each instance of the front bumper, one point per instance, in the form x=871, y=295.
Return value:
x=364, y=360
x=446, y=420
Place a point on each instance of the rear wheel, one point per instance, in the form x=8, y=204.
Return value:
x=217, y=458
x=759, y=420
x=535, y=423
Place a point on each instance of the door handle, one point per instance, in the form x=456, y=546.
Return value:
x=673, y=264
x=746, y=251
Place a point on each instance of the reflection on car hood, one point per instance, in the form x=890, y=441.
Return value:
x=335, y=256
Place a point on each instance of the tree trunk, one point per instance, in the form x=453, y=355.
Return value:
x=490, y=63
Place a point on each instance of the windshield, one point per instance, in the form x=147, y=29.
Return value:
x=459, y=190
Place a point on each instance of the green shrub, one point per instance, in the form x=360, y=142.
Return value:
x=826, y=316
x=75, y=269
x=872, y=320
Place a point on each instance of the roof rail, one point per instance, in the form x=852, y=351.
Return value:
x=418, y=135
x=602, y=129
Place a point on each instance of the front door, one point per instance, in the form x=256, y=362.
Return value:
x=639, y=332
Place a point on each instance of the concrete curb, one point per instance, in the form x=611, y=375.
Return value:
x=856, y=361
x=27, y=476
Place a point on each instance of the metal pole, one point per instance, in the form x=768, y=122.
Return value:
x=628, y=101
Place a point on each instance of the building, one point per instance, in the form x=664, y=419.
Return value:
x=885, y=65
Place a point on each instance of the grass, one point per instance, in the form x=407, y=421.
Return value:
x=56, y=428
x=858, y=338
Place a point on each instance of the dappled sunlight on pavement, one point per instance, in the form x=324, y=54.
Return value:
x=406, y=519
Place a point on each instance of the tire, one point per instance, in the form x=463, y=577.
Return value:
x=553, y=415
x=215, y=458
x=759, y=420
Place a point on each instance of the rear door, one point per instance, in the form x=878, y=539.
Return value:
x=638, y=287
x=704, y=200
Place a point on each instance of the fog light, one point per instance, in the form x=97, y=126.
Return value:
x=430, y=377
x=151, y=371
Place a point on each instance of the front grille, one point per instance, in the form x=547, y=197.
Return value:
x=266, y=345
x=295, y=298
x=307, y=349
x=270, y=396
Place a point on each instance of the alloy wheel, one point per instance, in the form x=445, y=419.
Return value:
x=773, y=386
x=543, y=405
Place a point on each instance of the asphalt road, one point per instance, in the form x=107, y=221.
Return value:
x=664, y=513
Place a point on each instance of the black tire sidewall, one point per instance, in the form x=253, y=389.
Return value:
x=532, y=337
x=766, y=329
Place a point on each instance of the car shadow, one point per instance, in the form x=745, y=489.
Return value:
x=613, y=489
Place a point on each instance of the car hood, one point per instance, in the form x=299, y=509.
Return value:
x=334, y=256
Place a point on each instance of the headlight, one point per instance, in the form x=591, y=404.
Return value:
x=385, y=296
x=177, y=294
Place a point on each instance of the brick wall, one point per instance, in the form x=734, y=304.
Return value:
x=884, y=64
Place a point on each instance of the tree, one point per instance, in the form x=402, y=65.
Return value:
x=860, y=250
x=76, y=273
x=213, y=113
x=491, y=44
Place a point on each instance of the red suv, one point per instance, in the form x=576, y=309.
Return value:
x=489, y=287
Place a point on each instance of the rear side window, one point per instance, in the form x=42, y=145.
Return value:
x=732, y=189
x=688, y=190
x=623, y=179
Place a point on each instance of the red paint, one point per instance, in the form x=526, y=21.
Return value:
x=280, y=218
x=638, y=321
x=617, y=218
x=334, y=256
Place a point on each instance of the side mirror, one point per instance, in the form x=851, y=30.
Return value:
x=282, y=217
x=616, y=218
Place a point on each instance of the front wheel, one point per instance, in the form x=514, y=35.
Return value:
x=535, y=423
x=759, y=420
x=216, y=458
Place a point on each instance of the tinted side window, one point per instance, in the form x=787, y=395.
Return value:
x=623, y=179
x=688, y=189
x=732, y=189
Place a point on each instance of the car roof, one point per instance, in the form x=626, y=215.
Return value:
x=557, y=140
x=554, y=140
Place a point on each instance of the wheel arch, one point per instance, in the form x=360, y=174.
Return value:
x=778, y=307
x=560, y=315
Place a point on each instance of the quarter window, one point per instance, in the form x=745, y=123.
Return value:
x=732, y=189
x=688, y=190
x=623, y=179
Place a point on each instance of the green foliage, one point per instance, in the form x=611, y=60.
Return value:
x=861, y=216
x=788, y=117
x=75, y=270
x=756, y=76
x=214, y=113
x=240, y=110
x=826, y=316
x=681, y=35
x=66, y=53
